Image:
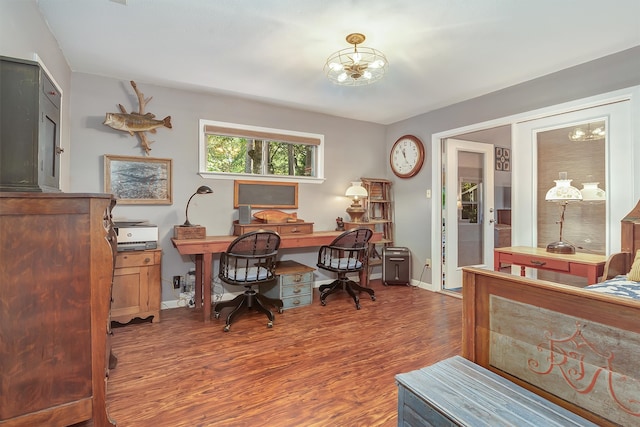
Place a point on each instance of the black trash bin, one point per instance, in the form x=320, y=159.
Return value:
x=396, y=266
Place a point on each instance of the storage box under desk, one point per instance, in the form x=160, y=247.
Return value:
x=294, y=286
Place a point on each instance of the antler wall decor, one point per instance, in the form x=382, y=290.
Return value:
x=137, y=123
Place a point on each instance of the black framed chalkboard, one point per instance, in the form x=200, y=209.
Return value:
x=265, y=194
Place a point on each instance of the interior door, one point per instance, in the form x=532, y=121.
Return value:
x=468, y=216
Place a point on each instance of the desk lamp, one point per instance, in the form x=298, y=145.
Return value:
x=356, y=192
x=562, y=193
x=203, y=189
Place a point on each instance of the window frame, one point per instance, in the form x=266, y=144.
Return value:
x=296, y=137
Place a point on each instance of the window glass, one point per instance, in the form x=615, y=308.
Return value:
x=246, y=150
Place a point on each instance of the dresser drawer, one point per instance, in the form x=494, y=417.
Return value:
x=138, y=258
x=297, y=301
x=538, y=262
x=295, y=289
x=290, y=279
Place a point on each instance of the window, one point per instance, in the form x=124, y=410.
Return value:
x=469, y=200
x=232, y=150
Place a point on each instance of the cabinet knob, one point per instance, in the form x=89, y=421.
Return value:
x=147, y=260
x=52, y=93
x=59, y=150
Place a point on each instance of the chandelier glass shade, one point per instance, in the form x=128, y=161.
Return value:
x=580, y=134
x=356, y=66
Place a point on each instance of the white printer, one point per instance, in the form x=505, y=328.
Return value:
x=136, y=235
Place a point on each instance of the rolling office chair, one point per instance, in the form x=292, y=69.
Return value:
x=346, y=254
x=250, y=260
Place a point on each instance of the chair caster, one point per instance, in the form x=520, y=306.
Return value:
x=216, y=315
x=270, y=325
x=226, y=328
x=358, y=306
x=281, y=310
x=373, y=297
x=322, y=302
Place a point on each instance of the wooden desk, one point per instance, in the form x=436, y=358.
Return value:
x=203, y=249
x=590, y=266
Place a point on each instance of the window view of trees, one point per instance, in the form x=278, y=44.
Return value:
x=237, y=155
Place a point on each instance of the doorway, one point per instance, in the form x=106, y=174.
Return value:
x=468, y=209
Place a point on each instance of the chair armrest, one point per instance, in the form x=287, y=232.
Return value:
x=617, y=264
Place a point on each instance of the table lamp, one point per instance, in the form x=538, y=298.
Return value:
x=356, y=192
x=188, y=230
x=562, y=193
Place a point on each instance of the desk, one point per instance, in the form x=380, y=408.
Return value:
x=203, y=249
x=590, y=266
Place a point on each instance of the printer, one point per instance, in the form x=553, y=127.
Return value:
x=136, y=235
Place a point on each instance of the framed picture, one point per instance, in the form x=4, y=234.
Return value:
x=503, y=159
x=265, y=194
x=138, y=180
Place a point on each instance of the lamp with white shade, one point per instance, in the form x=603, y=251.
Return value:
x=357, y=192
x=563, y=193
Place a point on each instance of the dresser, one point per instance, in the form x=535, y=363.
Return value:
x=57, y=253
x=294, y=286
x=136, y=286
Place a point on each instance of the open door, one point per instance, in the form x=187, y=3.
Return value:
x=468, y=216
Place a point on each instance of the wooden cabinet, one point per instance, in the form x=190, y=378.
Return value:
x=29, y=128
x=57, y=257
x=294, y=286
x=136, y=286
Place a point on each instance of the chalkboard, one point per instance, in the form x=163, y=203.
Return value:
x=265, y=194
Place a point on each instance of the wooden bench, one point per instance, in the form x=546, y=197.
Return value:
x=457, y=392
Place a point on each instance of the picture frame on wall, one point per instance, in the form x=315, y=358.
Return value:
x=503, y=159
x=138, y=180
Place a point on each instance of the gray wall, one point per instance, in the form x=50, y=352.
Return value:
x=353, y=149
x=414, y=212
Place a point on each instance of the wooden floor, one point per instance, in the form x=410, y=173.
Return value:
x=318, y=366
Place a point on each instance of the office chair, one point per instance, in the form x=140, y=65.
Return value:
x=346, y=254
x=250, y=260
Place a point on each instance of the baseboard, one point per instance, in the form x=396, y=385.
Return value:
x=186, y=299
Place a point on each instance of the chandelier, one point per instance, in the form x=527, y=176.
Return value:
x=579, y=134
x=356, y=66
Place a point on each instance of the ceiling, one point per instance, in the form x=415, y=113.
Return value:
x=440, y=51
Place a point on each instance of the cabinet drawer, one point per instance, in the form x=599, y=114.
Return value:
x=295, y=289
x=296, y=228
x=297, y=301
x=545, y=263
x=137, y=258
x=293, y=278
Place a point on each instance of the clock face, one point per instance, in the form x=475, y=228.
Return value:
x=407, y=156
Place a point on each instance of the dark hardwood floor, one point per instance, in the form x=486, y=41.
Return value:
x=318, y=366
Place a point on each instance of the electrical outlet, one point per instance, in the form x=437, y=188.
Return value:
x=427, y=263
x=176, y=282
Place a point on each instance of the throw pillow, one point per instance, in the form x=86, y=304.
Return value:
x=634, y=273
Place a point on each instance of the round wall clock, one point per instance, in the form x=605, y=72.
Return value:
x=407, y=156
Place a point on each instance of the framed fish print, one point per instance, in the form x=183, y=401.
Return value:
x=138, y=180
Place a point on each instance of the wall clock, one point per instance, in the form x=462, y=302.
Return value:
x=407, y=156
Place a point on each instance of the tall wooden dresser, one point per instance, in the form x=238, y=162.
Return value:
x=56, y=267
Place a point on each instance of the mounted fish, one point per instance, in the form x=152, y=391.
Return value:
x=137, y=123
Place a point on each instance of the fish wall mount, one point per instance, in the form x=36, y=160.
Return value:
x=137, y=123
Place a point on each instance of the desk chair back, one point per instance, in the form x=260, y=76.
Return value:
x=250, y=259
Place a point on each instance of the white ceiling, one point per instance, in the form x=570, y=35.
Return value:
x=440, y=51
